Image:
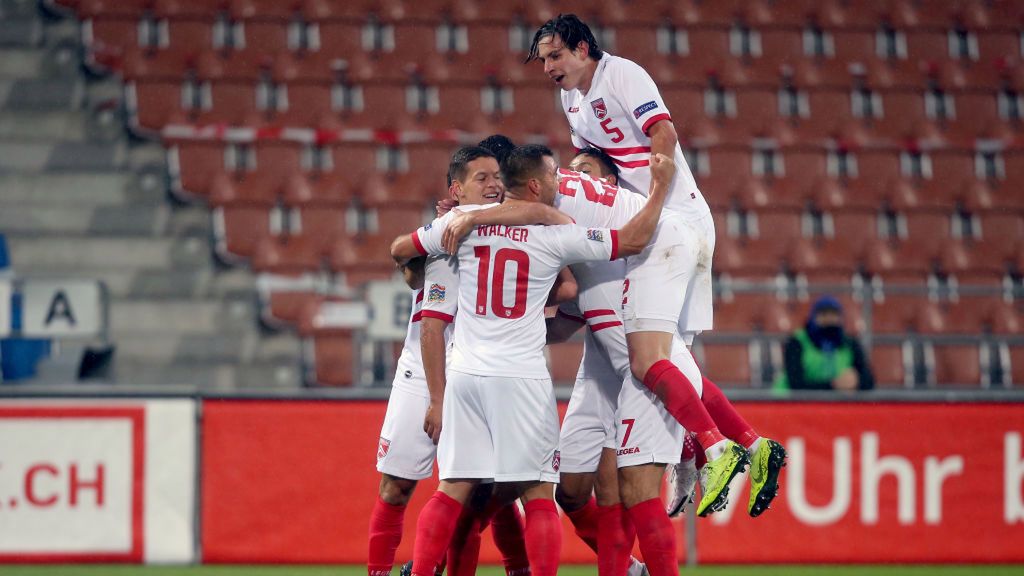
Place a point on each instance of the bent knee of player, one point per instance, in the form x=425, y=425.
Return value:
x=640, y=483
x=573, y=491
x=396, y=491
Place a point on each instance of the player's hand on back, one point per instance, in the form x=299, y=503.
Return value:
x=445, y=205
x=456, y=230
x=662, y=168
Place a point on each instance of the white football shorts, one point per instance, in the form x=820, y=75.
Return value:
x=404, y=449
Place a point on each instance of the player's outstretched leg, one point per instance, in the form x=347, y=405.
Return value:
x=386, y=523
x=682, y=478
x=717, y=474
x=767, y=456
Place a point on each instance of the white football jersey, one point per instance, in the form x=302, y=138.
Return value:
x=595, y=203
x=505, y=275
x=437, y=299
x=615, y=115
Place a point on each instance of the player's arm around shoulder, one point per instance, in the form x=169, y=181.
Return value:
x=637, y=233
x=508, y=213
x=424, y=241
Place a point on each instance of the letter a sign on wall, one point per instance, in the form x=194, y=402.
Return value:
x=62, y=308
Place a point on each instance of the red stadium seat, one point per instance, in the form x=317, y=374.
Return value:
x=926, y=227
x=153, y=104
x=286, y=256
x=888, y=365
x=955, y=365
x=324, y=226
x=193, y=166
x=1017, y=366
x=332, y=347
x=351, y=164
x=824, y=261
x=727, y=364
x=238, y=230
x=108, y=38
x=361, y=259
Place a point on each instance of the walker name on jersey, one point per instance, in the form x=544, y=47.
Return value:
x=644, y=109
x=510, y=232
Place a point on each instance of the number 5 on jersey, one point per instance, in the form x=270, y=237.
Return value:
x=616, y=134
x=497, y=282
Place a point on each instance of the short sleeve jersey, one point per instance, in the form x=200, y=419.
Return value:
x=592, y=202
x=437, y=299
x=505, y=275
x=616, y=115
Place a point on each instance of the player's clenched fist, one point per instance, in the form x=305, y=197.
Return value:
x=662, y=168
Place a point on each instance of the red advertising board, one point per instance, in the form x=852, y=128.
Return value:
x=880, y=482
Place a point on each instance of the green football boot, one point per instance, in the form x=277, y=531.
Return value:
x=765, y=466
x=717, y=474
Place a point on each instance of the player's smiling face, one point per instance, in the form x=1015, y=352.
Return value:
x=590, y=166
x=566, y=68
x=482, y=184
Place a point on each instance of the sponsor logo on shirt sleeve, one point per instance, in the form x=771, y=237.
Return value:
x=644, y=109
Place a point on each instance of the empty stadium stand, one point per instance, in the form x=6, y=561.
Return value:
x=874, y=153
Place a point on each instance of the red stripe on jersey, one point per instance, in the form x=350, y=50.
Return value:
x=650, y=121
x=615, y=245
x=417, y=316
x=568, y=316
x=419, y=296
x=416, y=242
x=603, y=325
x=595, y=313
x=438, y=315
x=632, y=163
x=626, y=151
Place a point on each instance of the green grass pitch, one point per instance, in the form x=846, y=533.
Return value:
x=72, y=570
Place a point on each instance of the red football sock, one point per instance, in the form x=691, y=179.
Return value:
x=726, y=417
x=614, y=541
x=464, y=550
x=656, y=536
x=385, y=535
x=507, y=531
x=585, y=521
x=434, y=532
x=681, y=400
x=543, y=537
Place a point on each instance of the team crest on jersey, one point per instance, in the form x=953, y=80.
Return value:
x=595, y=235
x=600, y=110
x=644, y=109
x=382, y=447
x=556, y=461
x=436, y=293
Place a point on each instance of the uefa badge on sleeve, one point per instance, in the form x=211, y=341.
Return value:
x=595, y=235
x=436, y=293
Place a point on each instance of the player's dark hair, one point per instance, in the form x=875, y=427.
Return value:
x=459, y=165
x=571, y=30
x=610, y=168
x=499, y=145
x=523, y=163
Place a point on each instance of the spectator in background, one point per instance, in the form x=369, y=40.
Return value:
x=821, y=356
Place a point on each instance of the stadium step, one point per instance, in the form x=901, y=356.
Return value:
x=245, y=348
x=21, y=31
x=79, y=189
x=88, y=255
x=209, y=376
x=140, y=318
x=107, y=221
x=41, y=93
x=48, y=126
